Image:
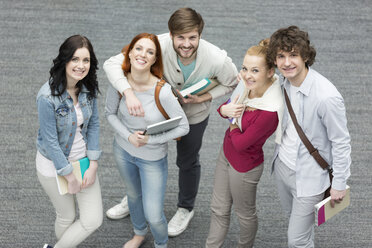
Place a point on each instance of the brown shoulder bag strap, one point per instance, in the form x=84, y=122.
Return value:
x=158, y=87
x=312, y=150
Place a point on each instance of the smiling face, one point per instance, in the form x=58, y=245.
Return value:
x=256, y=75
x=292, y=66
x=78, y=67
x=143, y=54
x=186, y=45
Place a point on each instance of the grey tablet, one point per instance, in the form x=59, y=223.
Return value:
x=163, y=125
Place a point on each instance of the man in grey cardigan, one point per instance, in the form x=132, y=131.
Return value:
x=187, y=59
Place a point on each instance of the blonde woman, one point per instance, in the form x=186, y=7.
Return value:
x=240, y=163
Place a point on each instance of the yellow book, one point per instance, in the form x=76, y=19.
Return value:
x=324, y=211
x=79, y=168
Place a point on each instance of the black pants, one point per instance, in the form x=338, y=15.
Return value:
x=189, y=166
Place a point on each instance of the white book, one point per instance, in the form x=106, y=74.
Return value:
x=242, y=91
x=163, y=126
x=199, y=88
x=324, y=211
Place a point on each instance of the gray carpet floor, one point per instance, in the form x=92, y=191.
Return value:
x=30, y=35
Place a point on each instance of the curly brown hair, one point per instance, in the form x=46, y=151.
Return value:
x=291, y=39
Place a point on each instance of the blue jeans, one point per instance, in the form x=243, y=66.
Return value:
x=145, y=183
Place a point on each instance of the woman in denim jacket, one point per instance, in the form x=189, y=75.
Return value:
x=69, y=131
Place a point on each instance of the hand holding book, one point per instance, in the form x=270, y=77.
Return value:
x=337, y=196
x=72, y=182
x=237, y=97
x=72, y=186
x=194, y=98
x=90, y=174
x=199, y=88
x=324, y=211
x=232, y=109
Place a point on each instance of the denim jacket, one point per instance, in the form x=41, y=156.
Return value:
x=57, y=119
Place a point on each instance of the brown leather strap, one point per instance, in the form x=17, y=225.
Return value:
x=312, y=150
x=158, y=87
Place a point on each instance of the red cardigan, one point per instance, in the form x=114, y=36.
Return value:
x=243, y=149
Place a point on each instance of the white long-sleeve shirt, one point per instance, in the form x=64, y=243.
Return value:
x=322, y=117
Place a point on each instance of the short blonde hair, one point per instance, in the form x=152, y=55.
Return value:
x=261, y=50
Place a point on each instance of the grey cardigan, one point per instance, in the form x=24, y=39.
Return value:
x=125, y=124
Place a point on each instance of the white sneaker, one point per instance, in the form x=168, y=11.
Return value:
x=179, y=222
x=119, y=211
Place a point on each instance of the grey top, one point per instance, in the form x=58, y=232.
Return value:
x=125, y=124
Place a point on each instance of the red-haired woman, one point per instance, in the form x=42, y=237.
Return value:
x=142, y=159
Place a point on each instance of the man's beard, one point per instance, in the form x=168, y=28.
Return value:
x=179, y=53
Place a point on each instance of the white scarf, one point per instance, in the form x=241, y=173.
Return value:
x=273, y=101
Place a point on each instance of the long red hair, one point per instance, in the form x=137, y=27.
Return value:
x=157, y=67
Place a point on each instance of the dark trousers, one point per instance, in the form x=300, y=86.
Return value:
x=189, y=166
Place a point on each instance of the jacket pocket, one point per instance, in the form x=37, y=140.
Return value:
x=62, y=113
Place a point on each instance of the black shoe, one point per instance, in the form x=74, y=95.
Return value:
x=47, y=246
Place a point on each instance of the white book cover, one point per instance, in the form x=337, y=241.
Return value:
x=242, y=91
x=163, y=126
x=200, y=87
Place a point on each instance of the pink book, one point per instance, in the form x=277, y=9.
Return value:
x=324, y=211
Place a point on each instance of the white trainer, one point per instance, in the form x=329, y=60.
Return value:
x=179, y=222
x=119, y=211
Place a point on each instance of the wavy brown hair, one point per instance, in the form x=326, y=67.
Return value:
x=58, y=81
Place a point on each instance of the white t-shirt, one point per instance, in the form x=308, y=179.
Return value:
x=290, y=141
x=78, y=149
